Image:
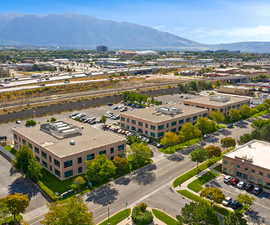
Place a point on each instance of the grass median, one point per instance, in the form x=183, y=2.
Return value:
x=197, y=185
x=162, y=216
x=173, y=149
x=117, y=218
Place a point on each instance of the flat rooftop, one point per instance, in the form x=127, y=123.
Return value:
x=207, y=100
x=256, y=152
x=152, y=114
x=90, y=138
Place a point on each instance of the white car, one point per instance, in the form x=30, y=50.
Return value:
x=227, y=201
x=241, y=184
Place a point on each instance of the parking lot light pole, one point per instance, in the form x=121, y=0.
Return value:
x=108, y=215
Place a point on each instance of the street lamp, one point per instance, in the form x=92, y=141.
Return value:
x=108, y=215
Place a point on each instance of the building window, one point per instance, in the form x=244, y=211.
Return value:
x=121, y=147
x=237, y=166
x=23, y=141
x=246, y=169
x=112, y=150
x=44, y=164
x=50, y=158
x=146, y=132
x=44, y=155
x=128, y=120
x=268, y=176
x=133, y=128
x=140, y=124
x=15, y=136
x=102, y=152
x=160, y=134
x=133, y=121
x=90, y=156
x=80, y=170
x=122, y=119
x=57, y=172
x=153, y=134
x=173, y=123
x=253, y=171
x=112, y=157
x=261, y=173
x=146, y=125
x=161, y=127
x=188, y=120
x=168, y=125
x=153, y=127
x=69, y=173
x=30, y=145
x=140, y=130
x=36, y=150
x=56, y=162
x=195, y=117
x=68, y=163
x=50, y=168
x=127, y=127
x=79, y=160
x=181, y=121
x=173, y=130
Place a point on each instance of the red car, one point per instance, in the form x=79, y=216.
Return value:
x=234, y=181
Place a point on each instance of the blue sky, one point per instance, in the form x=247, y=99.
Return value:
x=206, y=21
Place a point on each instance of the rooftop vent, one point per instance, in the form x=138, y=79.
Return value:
x=72, y=142
x=220, y=98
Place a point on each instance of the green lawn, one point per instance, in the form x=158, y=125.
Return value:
x=260, y=114
x=186, y=176
x=197, y=185
x=164, y=217
x=10, y=149
x=117, y=218
x=173, y=149
x=197, y=198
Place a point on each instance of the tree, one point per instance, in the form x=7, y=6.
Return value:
x=26, y=163
x=246, y=200
x=213, y=151
x=235, y=219
x=30, y=123
x=198, y=213
x=103, y=119
x=122, y=165
x=169, y=139
x=188, y=131
x=70, y=212
x=100, y=169
x=141, y=216
x=245, y=138
x=4, y=213
x=140, y=155
x=133, y=139
x=234, y=115
x=206, y=126
x=199, y=155
x=245, y=111
x=78, y=183
x=217, y=116
x=213, y=193
x=16, y=204
x=228, y=142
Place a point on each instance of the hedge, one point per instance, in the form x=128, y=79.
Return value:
x=173, y=149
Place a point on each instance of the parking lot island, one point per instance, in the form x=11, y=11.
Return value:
x=62, y=147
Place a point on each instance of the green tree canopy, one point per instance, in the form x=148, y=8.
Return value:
x=217, y=116
x=245, y=111
x=199, y=155
x=169, y=139
x=188, y=131
x=140, y=155
x=122, y=165
x=213, y=193
x=205, y=125
x=246, y=200
x=235, y=219
x=198, y=213
x=234, y=115
x=100, y=169
x=78, y=183
x=228, y=142
x=213, y=151
x=70, y=212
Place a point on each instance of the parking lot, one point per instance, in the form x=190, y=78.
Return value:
x=261, y=206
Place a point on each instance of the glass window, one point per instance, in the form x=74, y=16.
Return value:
x=44, y=164
x=112, y=150
x=57, y=172
x=90, y=156
x=146, y=125
x=173, y=130
x=122, y=119
x=68, y=173
x=133, y=121
x=102, y=152
x=30, y=145
x=121, y=147
x=161, y=127
x=173, y=123
x=153, y=134
x=56, y=162
x=153, y=127
x=80, y=170
x=160, y=134
x=36, y=150
x=181, y=121
x=140, y=124
x=261, y=173
x=79, y=160
x=237, y=166
x=44, y=155
x=67, y=163
x=50, y=158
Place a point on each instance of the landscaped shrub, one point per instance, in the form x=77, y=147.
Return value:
x=141, y=216
x=30, y=123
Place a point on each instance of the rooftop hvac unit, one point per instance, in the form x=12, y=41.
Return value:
x=169, y=110
x=72, y=142
x=220, y=98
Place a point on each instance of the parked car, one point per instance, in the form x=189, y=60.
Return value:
x=241, y=185
x=249, y=187
x=227, y=201
x=73, y=114
x=230, y=126
x=227, y=179
x=257, y=190
x=235, y=204
x=115, y=107
x=234, y=181
x=18, y=121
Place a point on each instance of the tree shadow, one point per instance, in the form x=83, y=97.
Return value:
x=123, y=180
x=144, y=178
x=24, y=186
x=103, y=196
x=226, y=132
x=175, y=157
x=12, y=171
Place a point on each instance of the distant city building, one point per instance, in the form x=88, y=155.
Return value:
x=155, y=121
x=236, y=90
x=102, y=48
x=221, y=103
x=249, y=162
x=63, y=147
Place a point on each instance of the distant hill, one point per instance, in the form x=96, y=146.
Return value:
x=79, y=31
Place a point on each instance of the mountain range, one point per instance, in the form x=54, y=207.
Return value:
x=81, y=31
